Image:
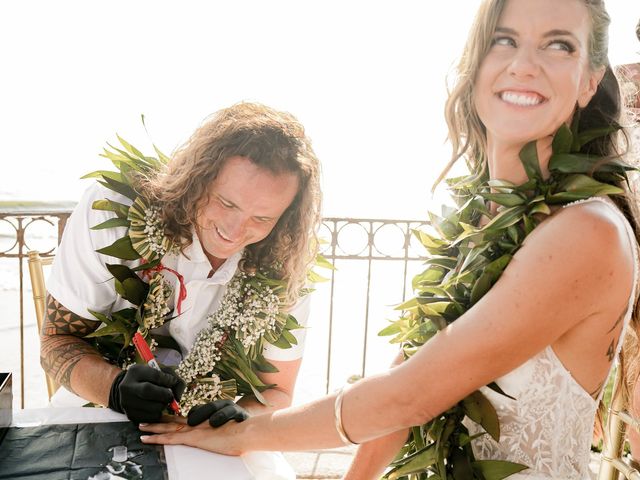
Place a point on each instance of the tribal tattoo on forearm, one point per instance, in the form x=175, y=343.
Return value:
x=61, y=343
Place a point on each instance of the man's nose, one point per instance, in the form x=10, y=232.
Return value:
x=236, y=226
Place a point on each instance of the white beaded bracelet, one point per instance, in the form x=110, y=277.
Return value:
x=337, y=416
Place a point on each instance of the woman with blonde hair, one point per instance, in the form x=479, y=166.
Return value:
x=528, y=292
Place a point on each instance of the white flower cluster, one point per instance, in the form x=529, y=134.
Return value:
x=200, y=393
x=203, y=356
x=258, y=315
x=246, y=310
x=154, y=230
x=156, y=305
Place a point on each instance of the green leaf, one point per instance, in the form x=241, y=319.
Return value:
x=104, y=174
x=322, y=262
x=262, y=365
x=505, y=199
x=585, y=184
x=135, y=290
x=120, y=209
x=447, y=262
x=501, y=185
x=121, y=248
x=428, y=241
x=505, y=218
x=529, y=159
x=479, y=409
x=113, y=329
x=392, y=329
x=588, y=135
x=281, y=342
x=418, y=463
x=292, y=323
x=444, y=227
x=112, y=223
x=146, y=266
x=497, y=469
x=461, y=468
x=121, y=272
x=540, y=208
x=562, y=140
x=481, y=286
x=583, y=163
x=119, y=187
x=100, y=316
x=130, y=148
x=494, y=386
x=289, y=337
x=315, y=277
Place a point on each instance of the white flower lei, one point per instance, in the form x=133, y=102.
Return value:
x=245, y=311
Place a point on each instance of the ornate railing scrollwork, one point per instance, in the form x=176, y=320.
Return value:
x=29, y=225
x=25, y=226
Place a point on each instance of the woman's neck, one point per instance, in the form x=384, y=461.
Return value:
x=504, y=160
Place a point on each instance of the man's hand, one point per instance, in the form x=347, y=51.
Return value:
x=142, y=393
x=218, y=413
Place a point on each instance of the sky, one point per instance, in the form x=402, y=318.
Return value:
x=366, y=78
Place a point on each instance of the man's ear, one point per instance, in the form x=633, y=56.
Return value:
x=590, y=87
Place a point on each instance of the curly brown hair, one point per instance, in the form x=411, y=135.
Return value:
x=270, y=139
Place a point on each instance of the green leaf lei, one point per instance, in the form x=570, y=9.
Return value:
x=227, y=354
x=465, y=260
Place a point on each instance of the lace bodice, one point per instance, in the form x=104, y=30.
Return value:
x=549, y=426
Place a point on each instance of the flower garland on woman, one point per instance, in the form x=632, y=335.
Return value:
x=212, y=248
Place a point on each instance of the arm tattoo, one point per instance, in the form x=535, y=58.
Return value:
x=59, y=320
x=611, y=350
x=61, y=343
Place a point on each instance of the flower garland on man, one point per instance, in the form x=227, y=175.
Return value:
x=208, y=253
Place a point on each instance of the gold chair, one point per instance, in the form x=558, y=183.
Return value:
x=36, y=262
x=612, y=464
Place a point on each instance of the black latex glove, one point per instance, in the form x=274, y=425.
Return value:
x=218, y=413
x=142, y=393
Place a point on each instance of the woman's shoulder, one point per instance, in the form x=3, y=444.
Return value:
x=590, y=246
x=593, y=227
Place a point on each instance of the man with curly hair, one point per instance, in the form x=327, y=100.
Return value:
x=242, y=193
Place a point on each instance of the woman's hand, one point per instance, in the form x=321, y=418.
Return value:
x=220, y=440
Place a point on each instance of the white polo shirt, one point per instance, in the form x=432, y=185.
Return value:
x=80, y=281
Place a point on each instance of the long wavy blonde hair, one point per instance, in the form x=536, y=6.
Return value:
x=272, y=140
x=468, y=136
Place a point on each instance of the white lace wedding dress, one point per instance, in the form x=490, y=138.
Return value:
x=549, y=425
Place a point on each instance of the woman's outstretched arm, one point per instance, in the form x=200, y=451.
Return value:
x=575, y=270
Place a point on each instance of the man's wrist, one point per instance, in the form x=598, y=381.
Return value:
x=114, y=393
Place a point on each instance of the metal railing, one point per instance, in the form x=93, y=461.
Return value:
x=356, y=248
x=17, y=221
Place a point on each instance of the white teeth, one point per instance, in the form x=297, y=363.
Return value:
x=222, y=235
x=520, y=99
